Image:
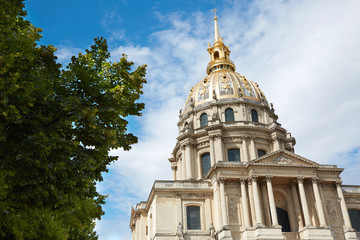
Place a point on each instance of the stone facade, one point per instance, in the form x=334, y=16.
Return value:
x=235, y=174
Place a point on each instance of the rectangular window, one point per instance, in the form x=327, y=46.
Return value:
x=193, y=217
x=234, y=155
x=205, y=164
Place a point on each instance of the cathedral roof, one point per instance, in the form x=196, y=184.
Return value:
x=222, y=82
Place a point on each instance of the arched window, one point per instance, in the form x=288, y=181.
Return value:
x=261, y=152
x=283, y=219
x=205, y=164
x=355, y=219
x=234, y=155
x=229, y=115
x=216, y=55
x=193, y=217
x=254, y=116
x=203, y=120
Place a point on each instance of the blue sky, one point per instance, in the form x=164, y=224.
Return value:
x=304, y=55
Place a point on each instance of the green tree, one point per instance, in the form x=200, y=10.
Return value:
x=57, y=127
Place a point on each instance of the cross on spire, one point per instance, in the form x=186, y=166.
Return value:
x=215, y=11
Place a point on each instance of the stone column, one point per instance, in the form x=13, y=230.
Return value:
x=344, y=210
x=264, y=203
x=188, y=161
x=173, y=168
x=251, y=201
x=304, y=204
x=223, y=202
x=244, y=201
x=252, y=149
x=207, y=213
x=198, y=167
x=219, y=149
x=319, y=206
x=274, y=217
x=216, y=205
x=183, y=163
x=245, y=151
x=212, y=150
x=297, y=206
x=257, y=206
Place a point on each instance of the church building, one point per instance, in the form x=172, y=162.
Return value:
x=235, y=173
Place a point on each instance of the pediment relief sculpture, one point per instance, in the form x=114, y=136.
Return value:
x=285, y=159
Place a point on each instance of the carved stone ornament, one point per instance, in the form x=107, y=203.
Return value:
x=282, y=160
x=300, y=179
x=315, y=180
x=268, y=178
x=233, y=210
x=338, y=183
x=232, y=182
x=180, y=231
x=221, y=180
x=192, y=195
x=253, y=178
x=331, y=212
x=242, y=180
x=212, y=232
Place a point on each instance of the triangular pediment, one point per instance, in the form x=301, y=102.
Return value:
x=284, y=158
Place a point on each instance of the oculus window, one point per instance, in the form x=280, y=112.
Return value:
x=254, y=115
x=355, y=219
x=261, y=152
x=203, y=120
x=205, y=164
x=229, y=115
x=193, y=217
x=234, y=155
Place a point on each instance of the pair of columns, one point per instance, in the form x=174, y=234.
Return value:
x=244, y=201
x=216, y=155
x=318, y=202
x=319, y=206
x=246, y=152
x=256, y=198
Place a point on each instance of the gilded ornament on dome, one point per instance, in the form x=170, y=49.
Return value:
x=248, y=89
x=203, y=92
x=226, y=86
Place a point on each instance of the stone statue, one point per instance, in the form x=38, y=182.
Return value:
x=180, y=231
x=212, y=232
x=214, y=95
x=192, y=104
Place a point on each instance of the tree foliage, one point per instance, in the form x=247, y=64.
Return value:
x=57, y=127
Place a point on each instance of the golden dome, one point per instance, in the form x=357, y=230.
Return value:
x=222, y=82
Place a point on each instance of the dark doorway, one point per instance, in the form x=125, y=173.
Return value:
x=283, y=219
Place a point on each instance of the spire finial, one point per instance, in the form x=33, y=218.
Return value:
x=217, y=34
x=215, y=11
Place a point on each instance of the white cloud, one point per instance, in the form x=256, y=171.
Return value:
x=64, y=53
x=303, y=54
